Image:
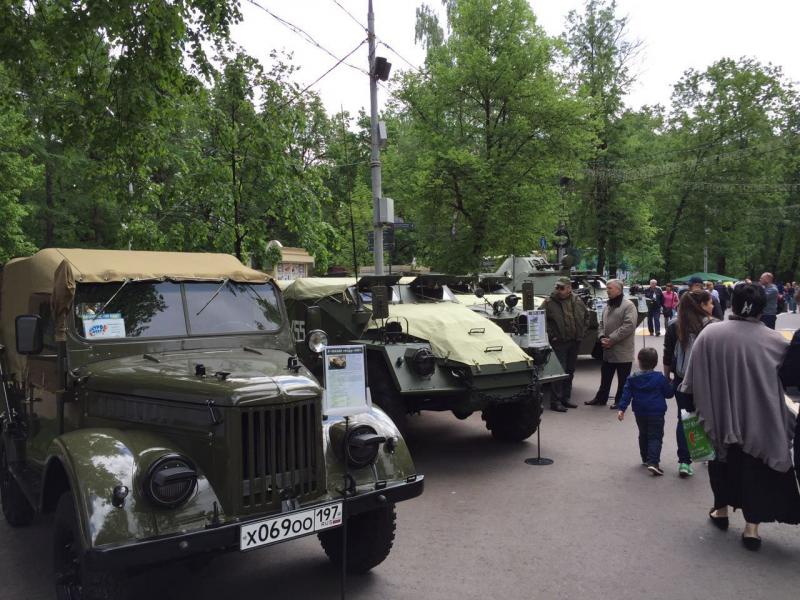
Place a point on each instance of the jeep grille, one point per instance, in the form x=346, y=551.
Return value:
x=281, y=450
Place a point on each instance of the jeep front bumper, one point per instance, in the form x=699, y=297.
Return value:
x=225, y=537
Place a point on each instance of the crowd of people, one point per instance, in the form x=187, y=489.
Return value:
x=724, y=371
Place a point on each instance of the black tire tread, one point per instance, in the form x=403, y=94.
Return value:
x=370, y=537
x=16, y=508
x=96, y=585
x=513, y=422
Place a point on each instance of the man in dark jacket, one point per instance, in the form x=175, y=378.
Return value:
x=567, y=322
x=724, y=296
x=654, y=307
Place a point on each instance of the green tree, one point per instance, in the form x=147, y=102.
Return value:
x=482, y=136
x=727, y=123
x=600, y=55
x=17, y=171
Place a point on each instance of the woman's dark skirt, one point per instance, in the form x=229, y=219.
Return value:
x=763, y=494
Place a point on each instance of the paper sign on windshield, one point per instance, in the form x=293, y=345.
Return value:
x=345, y=377
x=103, y=326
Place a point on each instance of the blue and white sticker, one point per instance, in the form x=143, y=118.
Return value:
x=103, y=326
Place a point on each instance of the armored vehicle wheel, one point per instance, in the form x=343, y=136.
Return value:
x=369, y=539
x=16, y=508
x=74, y=581
x=384, y=395
x=513, y=422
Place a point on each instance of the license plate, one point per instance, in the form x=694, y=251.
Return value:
x=290, y=525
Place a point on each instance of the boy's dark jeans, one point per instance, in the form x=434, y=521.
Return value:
x=651, y=434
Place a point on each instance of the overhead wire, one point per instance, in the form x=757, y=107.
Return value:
x=303, y=34
x=321, y=77
x=349, y=14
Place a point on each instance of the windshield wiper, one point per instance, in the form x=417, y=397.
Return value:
x=219, y=289
x=119, y=289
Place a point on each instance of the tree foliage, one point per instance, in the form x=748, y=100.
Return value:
x=484, y=134
x=128, y=124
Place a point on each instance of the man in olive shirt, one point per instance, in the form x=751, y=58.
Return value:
x=567, y=322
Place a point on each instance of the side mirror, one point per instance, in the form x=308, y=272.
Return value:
x=30, y=338
x=479, y=292
x=313, y=318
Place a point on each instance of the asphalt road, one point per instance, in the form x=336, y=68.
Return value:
x=594, y=524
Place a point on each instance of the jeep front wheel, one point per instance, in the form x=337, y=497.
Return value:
x=370, y=536
x=16, y=508
x=74, y=581
x=513, y=422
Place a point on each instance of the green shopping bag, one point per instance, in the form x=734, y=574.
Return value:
x=700, y=448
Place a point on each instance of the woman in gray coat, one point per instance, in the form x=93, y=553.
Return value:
x=733, y=377
x=616, y=333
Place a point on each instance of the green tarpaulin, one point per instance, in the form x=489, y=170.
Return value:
x=715, y=277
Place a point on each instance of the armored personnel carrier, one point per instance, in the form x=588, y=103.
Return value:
x=591, y=288
x=154, y=402
x=425, y=351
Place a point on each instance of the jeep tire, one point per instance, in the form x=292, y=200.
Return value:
x=74, y=581
x=16, y=508
x=515, y=421
x=370, y=536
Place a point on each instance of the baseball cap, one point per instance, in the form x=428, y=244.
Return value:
x=694, y=280
x=563, y=282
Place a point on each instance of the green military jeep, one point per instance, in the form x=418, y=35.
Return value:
x=155, y=404
x=430, y=353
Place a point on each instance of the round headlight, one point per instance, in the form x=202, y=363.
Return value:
x=512, y=300
x=362, y=446
x=423, y=362
x=317, y=340
x=170, y=481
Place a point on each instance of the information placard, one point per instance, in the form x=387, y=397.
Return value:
x=537, y=328
x=599, y=307
x=107, y=325
x=642, y=304
x=345, y=379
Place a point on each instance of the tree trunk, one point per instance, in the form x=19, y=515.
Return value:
x=721, y=264
x=777, y=256
x=49, y=226
x=601, y=254
x=795, y=259
x=237, y=238
x=673, y=230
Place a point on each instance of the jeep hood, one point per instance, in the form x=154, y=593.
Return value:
x=252, y=378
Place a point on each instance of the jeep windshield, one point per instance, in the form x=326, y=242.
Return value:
x=168, y=309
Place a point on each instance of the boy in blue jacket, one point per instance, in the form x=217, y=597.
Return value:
x=648, y=390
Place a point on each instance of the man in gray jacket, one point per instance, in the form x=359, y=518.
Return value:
x=616, y=333
x=567, y=322
x=770, y=315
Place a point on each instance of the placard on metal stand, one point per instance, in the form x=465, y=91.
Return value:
x=540, y=356
x=345, y=394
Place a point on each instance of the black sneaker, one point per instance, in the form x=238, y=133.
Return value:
x=655, y=470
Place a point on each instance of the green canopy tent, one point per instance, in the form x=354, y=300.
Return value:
x=715, y=277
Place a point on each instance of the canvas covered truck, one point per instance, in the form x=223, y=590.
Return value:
x=155, y=404
x=429, y=352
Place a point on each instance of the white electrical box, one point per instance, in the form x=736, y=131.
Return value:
x=382, y=137
x=386, y=211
